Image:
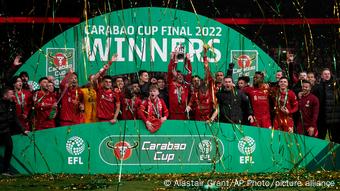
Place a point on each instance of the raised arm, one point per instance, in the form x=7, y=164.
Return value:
x=14, y=67
x=104, y=69
x=207, y=74
x=172, y=67
x=230, y=69
x=188, y=67
x=64, y=82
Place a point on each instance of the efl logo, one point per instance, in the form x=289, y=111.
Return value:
x=246, y=146
x=205, y=148
x=75, y=146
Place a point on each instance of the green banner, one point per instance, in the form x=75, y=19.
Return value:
x=144, y=38
x=178, y=147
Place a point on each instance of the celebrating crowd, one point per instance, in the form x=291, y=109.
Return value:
x=301, y=105
x=293, y=105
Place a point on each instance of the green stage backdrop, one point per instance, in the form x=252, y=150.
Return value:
x=178, y=147
x=143, y=38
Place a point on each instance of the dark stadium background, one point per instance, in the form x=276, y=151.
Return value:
x=323, y=43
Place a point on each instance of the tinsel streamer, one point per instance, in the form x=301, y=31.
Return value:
x=337, y=15
x=88, y=157
x=36, y=148
x=109, y=5
x=218, y=155
x=309, y=44
x=149, y=25
x=223, y=66
x=53, y=15
x=117, y=123
x=44, y=25
x=26, y=161
x=85, y=14
x=257, y=33
x=214, y=7
x=334, y=61
x=197, y=19
x=121, y=158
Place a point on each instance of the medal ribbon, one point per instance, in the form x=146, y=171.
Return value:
x=179, y=94
x=278, y=99
x=22, y=102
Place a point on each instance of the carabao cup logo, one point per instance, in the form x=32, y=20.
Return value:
x=60, y=59
x=122, y=150
x=246, y=145
x=75, y=145
x=112, y=149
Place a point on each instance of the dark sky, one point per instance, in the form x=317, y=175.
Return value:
x=322, y=40
x=211, y=8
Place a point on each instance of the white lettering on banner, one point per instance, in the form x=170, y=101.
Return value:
x=139, y=51
x=246, y=146
x=159, y=147
x=61, y=71
x=109, y=30
x=147, y=145
x=74, y=160
x=198, y=43
x=53, y=69
x=246, y=160
x=176, y=31
x=153, y=30
x=208, y=31
x=243, y=69
x=120, y=49
x=97, y=45
x=164, y=157
x=138, y=47
x=147, y=30
x=161, y=52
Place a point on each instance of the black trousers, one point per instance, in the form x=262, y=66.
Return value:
x=322, y=128
x=6, y=140
x=334, y=131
